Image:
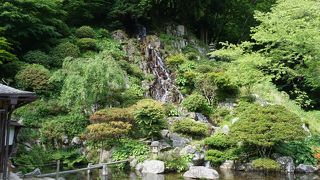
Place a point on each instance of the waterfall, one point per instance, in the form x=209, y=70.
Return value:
x=163, y=88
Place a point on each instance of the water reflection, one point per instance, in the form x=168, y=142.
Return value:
x=224, y=175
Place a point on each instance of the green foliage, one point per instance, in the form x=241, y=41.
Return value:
x=219, y=115
x=266, y=164
x=219, y=142
x=175, y=60
x=103, y=33
x=221, y=148
x=149, y=116
x=9, y=70
x=87, y=44
x=196, y=103
x=37, y=57
x=5, y=48
x=132, y=95
x=128, y=147
x=28, y=161
x=266, y=126
x=70, y=157
x=32, y=23
x=215, y=157
x=171, y=110
x=70, y=125
x=36, y=112
x=287, y=36
x=89, y=81
x=300, y=151
x=34, y=78
x=63, y=50
x=104, y=131
x=178, y=163
x=191, y=127
x=85, y=32
x=112, y=114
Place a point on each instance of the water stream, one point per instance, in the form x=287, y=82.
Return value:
x=163, y=88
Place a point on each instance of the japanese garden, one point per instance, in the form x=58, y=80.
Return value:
x=160, y=89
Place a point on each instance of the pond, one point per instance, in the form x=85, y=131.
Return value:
x=224, y=175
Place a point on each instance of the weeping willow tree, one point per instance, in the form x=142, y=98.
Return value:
x=88, y=83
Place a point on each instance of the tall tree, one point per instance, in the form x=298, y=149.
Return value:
x=36, y=21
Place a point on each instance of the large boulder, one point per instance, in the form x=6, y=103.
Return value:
x=189, y=149
x=153, y=167
x=201, y=172
x=178, y=140
x=286, y=163
x=302, y=168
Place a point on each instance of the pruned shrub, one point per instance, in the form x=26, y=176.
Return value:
x=267, y=126
x=85, y=32
x=87, y=44
x=112, y=114
x=34, y=77
x=149, y=116
x=219, y=141
x=37, y=57
x=266, y=164
x=196, y=103
x=191, y=127
x=103, y=131
x=63, y=50
x=215, y=157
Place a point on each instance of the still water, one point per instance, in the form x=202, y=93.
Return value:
x=224, y=175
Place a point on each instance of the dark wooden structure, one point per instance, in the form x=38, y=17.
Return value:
x=10, y=99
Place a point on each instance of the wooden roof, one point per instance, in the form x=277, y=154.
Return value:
x=8, y=93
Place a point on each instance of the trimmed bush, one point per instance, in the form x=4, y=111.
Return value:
x=216, y=157
x=87, y=44
x=34, y=77
x=85, y=32
x=264, y=127
x=149, y=116
x=191, y=127
x=266, y=164
x=63, y=50
x=37, y=57
x=219, y=141
x=103, y=131
x=112, y=114
x=196, y=103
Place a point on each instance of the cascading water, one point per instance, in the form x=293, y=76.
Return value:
x=163, y=88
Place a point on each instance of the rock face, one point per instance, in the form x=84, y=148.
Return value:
x=187, y=150
x=153, y=167
x=200, y=117
x=201, y=172
x=178, y=141
x=302, y=168
x=198, y=159
x=286, y=163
